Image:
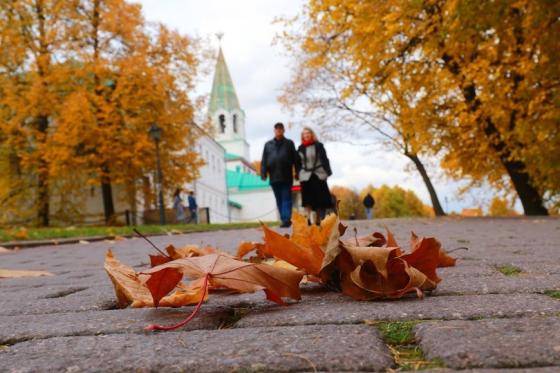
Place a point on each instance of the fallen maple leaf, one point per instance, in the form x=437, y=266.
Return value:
x=307, y=235
x=304, y=249
x=222, y=271
x=14, y=273
x=367, y=281
x=246, y=247
x=184, y=252
x=444, y=260
x=307, y=258
x=425, y=257
x=375, y=271
x=367, y=267
x=130, y=288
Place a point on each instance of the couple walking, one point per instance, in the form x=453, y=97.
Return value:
x=311, y=165
x=179, y=208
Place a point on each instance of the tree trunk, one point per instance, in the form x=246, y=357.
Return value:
x=529, y=196
x=107, y=193
x=43, y=205
x=42, y=122
x=438, y=210
x=106, y=188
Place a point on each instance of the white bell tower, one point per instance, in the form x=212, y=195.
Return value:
x=225, y=112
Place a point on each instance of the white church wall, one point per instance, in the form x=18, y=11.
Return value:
x=255, y=205
x=210, y=188
x=238, y=147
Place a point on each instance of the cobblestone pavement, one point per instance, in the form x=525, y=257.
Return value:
x=478, y=320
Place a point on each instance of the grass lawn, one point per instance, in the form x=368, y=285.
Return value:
x=22, y=234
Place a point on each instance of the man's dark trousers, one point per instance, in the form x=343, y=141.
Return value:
x=283, y=195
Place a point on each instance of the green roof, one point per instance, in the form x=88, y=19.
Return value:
x=231, y=157
x=245, y=181
x=223, y=94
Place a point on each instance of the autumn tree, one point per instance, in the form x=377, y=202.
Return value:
x=350, y=204
x=135, y=76
x=390, y=202
x=501, y=207
x=393, y=202
x=113, y=76
x=324, y=86
x=478, y=79
x=256, y=166
x=31, y=34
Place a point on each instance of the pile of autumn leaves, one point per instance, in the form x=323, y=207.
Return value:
x=369, y=267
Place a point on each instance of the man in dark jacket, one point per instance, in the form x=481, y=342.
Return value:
x=278, y=162
x=369, y=202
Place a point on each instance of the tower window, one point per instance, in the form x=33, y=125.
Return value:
x=235, y=123
x=222, y=119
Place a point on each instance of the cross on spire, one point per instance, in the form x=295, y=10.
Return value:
x=220, y=35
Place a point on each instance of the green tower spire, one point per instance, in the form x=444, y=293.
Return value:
x=223, y=94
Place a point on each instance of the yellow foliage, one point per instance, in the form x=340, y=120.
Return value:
x=81, y=93
x=500, y=207
x=475, y=82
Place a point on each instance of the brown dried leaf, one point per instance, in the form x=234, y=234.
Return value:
x=130, y=288
x=307, y=258
x=223, y=271
x=15, y=273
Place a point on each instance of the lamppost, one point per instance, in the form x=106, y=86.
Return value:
x=155, y=134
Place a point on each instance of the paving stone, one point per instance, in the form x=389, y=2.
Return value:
x=53, y=310
x=495, y=343
x=507, y=370
x=498, y=283
x=25, y=327
x=327, y=348
x=442, y=307
x=21, y=304
x=520, y=370
x=466, y=269
x=37, y=292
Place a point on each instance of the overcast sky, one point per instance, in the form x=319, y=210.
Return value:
x=259, y=69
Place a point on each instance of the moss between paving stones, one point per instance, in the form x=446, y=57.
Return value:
x=400, y=339
x=553, y=293
x=508, y=270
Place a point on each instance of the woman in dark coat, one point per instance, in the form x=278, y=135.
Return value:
x=315, y=169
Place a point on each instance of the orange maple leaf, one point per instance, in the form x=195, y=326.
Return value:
x=130, y=287
x=444, y=259
x=373, y=267
x=392, y=279
x=184, y=252
x=246, y=247
x=222, y=271
x=307, y=258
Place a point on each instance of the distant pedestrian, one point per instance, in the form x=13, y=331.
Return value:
x=369, y=202
x=178, y=206
x=193, y=208
x=315, y=169
x=278, y=162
